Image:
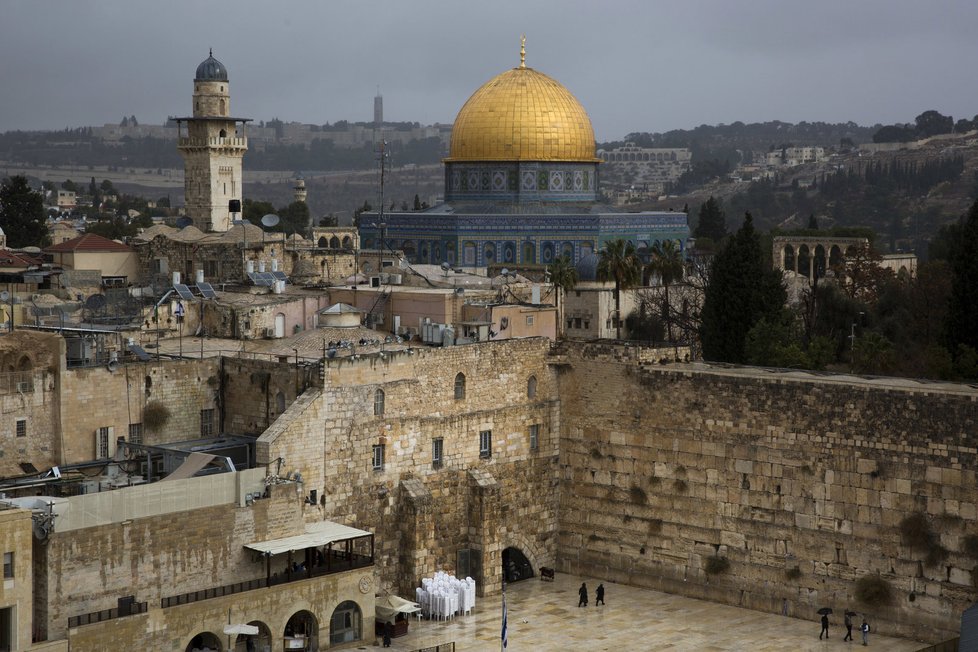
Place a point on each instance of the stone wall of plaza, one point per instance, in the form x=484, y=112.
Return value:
x=30, y=368
x=173, y=628
x=423, y=513
x=186, y=544
x=255, y=393
x=664, y=467
x=94, y=398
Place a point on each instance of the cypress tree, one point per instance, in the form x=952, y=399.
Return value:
x=713, y=221
x=962, y=316
x=743, y=289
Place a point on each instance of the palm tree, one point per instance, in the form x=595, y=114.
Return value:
x=563, y=275
x=667, y=264
x=619, y=262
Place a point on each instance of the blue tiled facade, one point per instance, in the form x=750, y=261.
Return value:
x=483, y=239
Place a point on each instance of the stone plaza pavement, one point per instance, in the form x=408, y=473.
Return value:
x=543, y=616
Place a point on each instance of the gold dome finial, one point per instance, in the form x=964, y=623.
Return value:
x=523, y=51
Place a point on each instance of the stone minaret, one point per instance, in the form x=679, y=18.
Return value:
x=212, y=144
x=378, y=109
x=299, y=189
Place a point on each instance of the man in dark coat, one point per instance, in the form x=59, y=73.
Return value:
x=583, y=593
x=825, y=627
x=599, y=595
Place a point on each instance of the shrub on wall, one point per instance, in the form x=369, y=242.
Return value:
x=716, y=565
x=638, y=495
x=916, y=532
x=155, y=416
x=793, y=573
x=679, y=485
x=969, y=546
x=873, y=591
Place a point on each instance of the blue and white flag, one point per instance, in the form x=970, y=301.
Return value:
x=503, y=634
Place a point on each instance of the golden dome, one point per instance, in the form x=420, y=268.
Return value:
x=522, y=115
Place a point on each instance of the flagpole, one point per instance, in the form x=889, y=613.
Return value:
x=503, y=634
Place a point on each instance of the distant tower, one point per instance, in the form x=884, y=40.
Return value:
x=378, y=109
x=299, y=189
x=212, y=147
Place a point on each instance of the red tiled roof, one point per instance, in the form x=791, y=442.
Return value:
x=88, y=242
x=16, y=259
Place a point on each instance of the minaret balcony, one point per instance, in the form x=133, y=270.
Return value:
x=212, y=142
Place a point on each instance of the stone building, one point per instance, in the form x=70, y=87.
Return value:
x=213, y=145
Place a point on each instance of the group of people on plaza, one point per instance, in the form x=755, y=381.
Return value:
x=598, y=595
x=864, y=628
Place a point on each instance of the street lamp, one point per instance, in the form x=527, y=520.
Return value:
x=852, y=343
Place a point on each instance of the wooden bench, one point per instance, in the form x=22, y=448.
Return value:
x=546, y=573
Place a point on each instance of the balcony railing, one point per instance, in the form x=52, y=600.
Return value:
x=107, y=614
x=13, y=382
x=212, y=142
x=338, y=563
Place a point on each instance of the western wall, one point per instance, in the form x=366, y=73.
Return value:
x=801, y=481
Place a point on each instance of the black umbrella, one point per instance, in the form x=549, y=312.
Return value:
x=851, y=613
x=824, y=611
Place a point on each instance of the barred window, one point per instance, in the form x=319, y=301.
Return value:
x=485, y=443
x=437, y=452
x=21, y=427
x=534, y=436
x=207, y=422
x=459, y=386
x=379, y=403
x=378, y=460
x=135, y=433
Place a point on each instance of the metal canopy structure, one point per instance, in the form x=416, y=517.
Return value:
x=316, y=534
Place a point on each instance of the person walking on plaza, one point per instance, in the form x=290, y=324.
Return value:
x=599, y=595
x=848, y=623
x=825, y=627
x=583, y=593
x=864, y=628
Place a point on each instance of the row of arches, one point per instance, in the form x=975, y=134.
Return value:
x=813, y=261
x=335, y=243
x=345, y=626
x=615, y=157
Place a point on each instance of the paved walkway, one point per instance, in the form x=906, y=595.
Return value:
x=543, y=616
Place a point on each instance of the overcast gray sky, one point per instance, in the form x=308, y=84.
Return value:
x=636, y=65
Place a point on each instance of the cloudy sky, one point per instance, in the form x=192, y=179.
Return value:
x=636, y=65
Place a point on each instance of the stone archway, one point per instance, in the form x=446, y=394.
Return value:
x=204, y=641
x=516, y=566
x=257, y=643
x=304, y=626
x=346, y=623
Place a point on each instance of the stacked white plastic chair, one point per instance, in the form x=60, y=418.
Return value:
x=443, y=596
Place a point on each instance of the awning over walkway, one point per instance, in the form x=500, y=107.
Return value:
x=316, y=534
x=389, y=606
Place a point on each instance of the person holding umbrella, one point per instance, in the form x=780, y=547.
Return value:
x=824, y=611
x=848, y=623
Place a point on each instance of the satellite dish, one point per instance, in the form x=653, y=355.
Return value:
x=503, y=323
x=113, y=366
x=184, y=222
x=460, y=291
x=4, y=296
x=445, y=266
x=269, y=220
x=331, y=352
x=95, y=302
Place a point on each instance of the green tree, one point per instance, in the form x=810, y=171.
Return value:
x=563, y=275
x=712, y=221
x=961, y=326
x=667, y=264
x=294, y=217
x=22, y=214
x=417, y=203
x=69, y=185
x=813, y=222
x=743, y=289
x=253, y=210
x=619, y=262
